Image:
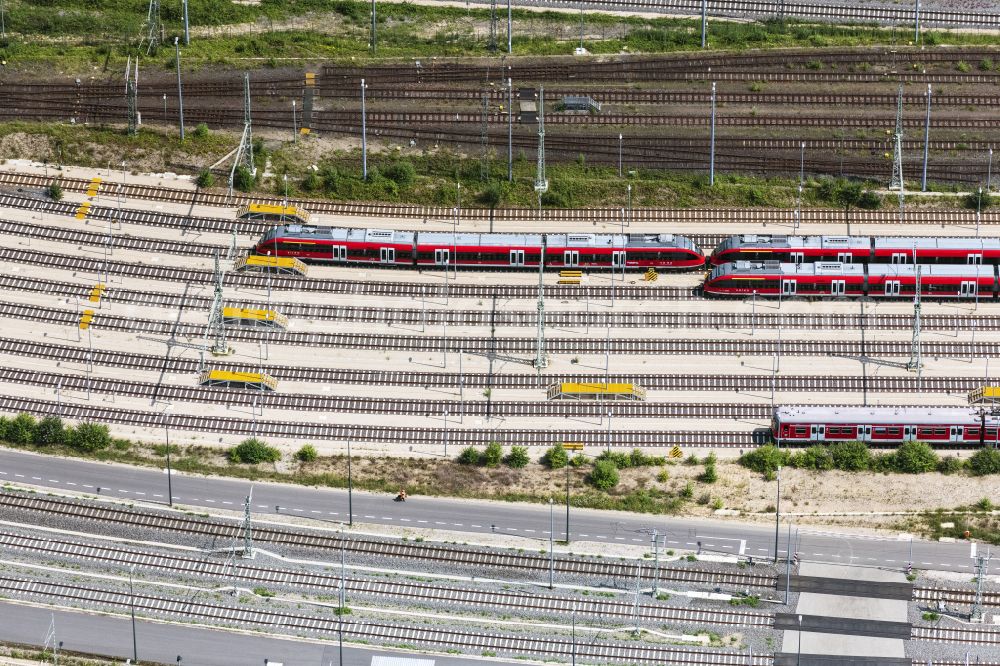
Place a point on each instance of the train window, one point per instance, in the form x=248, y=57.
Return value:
x=972, y=432
x=800, y=430
x=940, y=431
x=880, y=431
x=894, y=431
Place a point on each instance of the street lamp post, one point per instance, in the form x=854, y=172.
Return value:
x=777, y=515
x=350, y=488
x=131, y=596
x=446, y=433
x=567, y=501
x=295, y=133
x=166, y=425
x=798, y=655
x=552, y=562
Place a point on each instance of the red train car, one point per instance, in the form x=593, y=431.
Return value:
x=840, y=280
x=857, y=249
x=499, y=250
x=959, y=426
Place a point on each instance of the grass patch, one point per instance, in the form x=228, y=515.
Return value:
x=977, y=520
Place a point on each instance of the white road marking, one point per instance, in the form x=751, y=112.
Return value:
x=743, y=546
x=972, y=551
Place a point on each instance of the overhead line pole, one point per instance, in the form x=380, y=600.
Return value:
x=711, y=162
x=927, y=137
x=187, y=32
x=180, y=91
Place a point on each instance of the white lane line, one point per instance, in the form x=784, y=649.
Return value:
x=404, y=520
x=53, y=480
x=138, y=493
x=475, y=525
x=315, y=511
x=37, y=478
x=225, y=502
x=209, y=500
x=743, y=546
x=387, y=518
x=972, y=551
x=87, y=486
x=21, y=476
x=122, y=491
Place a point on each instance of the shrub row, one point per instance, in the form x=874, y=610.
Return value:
x=493, y=455
x=909, y=458
x=23, y=429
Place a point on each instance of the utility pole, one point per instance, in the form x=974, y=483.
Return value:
x=244, y=152
x=711, y=163
x=510, y=43
x=216, y=323
x=541, y=360
x=896, y=181
x=187, y=32
x=131, y=94
x=510, y=129
x=364, y=125
x=982, y=565
x=350, y=488
x=915, y=363
x=153, y=26
x=777, y=515
x=131, y=603
x=170, y=487
x=552, y=562
x=247, y=528
x=541, y=183
x=180, y=91
x=491, y=44
x=484, y=139
x=373, y=28
x=619, y=155
x=927, y=139
x=656, y=565
x=916, y=21
x=704, y=22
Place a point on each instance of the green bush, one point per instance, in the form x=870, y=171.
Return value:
x=205, y=179
x=492, y=455
x=253, y=451
x=604, y=475
x=312, y=182
x=692, y=460
x=518, y=457
x=55, y=192
x=579, y=460
x=951, y=465
x=307, y=453
x=851, y=456
x=815, y=457
x=50, y=430
x=243, y=180
x=687, y=492
x=555, y=457
x=710, y=475
x=914, y=458
x=402, y=173
x=90, y=437
x=491, y=196
x=21, y=429
x=469, y=456
x=985, y=461
x=201, y=131
x=765, y=459
x=978, y=200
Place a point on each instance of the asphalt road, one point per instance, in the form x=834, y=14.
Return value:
x=329, y=507
x=178, y=644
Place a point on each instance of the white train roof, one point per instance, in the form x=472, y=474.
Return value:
x=768, y=268
x=782, y=241
x=882, y=415
x=921, y=243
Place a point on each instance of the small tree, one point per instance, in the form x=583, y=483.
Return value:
x=50, y=430
x=402, y=173
x=21, y=429
x=307, y=453
x=469, y=456
x=253, y=451
x=914, y=458
x=978, y=200
x=243, y=180
x=851, y=456
x=493, y=454
x=985, y=461
x=90, y=437
x=604, y=475
x=55, y=192
x=201, y=131
x=491, y=196
x=555, y=457
x=312, y=182
x=765, y=459
x=518, y=457
x=205, y=179
x=710, y=475
x=816, y=457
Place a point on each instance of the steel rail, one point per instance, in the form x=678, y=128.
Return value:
x=411, y=592
x=367, y=630
x=727, y=216
x=458, y=435
x=725, y=383
x=221, y=530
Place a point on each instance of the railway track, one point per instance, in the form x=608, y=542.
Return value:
x=511, y=345
x=607, y=215
x=727, y=216
x=956, y=635
x=519, y=318
x=404, y=591
x=223, y=531
x=953, y=596
x=396, y=435
x=366, y=404
x=96, y=266
x=481, y=380
x=366, y=631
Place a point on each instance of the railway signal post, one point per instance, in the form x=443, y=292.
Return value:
x=777, y=514
x=711, y=161
x=569, y=446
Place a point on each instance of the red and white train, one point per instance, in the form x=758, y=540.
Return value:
x=840, y=280
x=507, y=250
x=960, y=426
x=857, y=249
